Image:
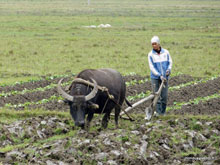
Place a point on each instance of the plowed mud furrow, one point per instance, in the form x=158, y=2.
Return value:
x=131, y=90
x=174, y=81
x=133, y=77
x=193, y=91
x=31, y=85
x=176, y=135
x=28, y=85
x=188, y=93
x=28, y=97
x=210, y=107
x=43, y=83
x=33, y=128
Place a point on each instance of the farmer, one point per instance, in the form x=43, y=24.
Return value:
x=160, y=64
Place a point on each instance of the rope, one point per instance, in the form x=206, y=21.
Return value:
x=103, y=109
x=104, y=106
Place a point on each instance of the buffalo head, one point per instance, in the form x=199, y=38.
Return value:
x=78, y=100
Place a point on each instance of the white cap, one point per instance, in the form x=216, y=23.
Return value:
x=155, y=39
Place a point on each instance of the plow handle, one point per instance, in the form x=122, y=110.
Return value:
x=157, y=94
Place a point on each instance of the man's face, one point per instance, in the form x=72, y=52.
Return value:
x=155, y=46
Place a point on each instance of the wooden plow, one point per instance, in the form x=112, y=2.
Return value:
x=150, y=109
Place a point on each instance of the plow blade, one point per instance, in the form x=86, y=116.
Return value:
x=128, y=110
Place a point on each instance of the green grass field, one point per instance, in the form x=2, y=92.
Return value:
x=48, y=37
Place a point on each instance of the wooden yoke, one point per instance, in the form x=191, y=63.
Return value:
x=103, y=89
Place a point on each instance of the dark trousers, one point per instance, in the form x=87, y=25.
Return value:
x=162, y=101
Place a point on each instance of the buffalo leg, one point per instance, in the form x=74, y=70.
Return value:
x=117, y=112
x=89, y=119
x=105, y=120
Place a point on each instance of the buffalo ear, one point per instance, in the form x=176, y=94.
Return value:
x=94, y=106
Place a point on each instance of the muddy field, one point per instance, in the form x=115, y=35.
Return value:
x=157, y=142
x=180, y=95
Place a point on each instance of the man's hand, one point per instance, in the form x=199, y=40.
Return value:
x=167, y=72
x=162, y=78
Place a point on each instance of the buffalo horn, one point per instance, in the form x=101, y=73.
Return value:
x=62, y=92
x=93, y=93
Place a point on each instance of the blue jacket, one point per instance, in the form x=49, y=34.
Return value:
x=159, y=63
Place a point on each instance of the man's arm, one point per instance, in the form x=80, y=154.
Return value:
x=150, y=61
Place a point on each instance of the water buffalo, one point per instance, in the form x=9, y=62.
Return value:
x=86, y=96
